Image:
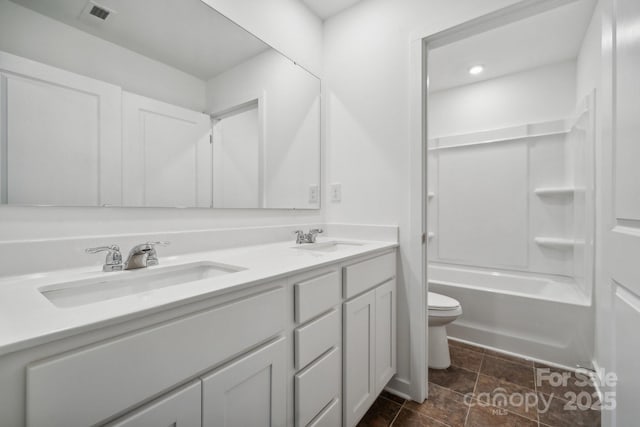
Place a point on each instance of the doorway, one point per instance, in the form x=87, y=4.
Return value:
x=237, y=152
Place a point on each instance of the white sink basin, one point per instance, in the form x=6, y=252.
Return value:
x=123, y=283
x=330, y=246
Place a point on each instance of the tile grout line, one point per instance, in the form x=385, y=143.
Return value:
x=398, y=413
x=535, y=388
x=529, y=364
x=466, y=418
x=522, y=362
x=418, y=412
x=537, y=420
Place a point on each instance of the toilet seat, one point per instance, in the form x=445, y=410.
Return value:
x=438, y=302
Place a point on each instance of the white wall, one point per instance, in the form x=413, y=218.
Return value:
x=291, y=107
x=34, y=36
x=287, y=25
x=367, y=104
x=23, y=223
x=532, y=96
x=588, y=66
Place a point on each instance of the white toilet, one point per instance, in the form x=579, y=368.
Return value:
x=442, y=311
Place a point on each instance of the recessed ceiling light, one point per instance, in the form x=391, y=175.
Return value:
x=476, y=69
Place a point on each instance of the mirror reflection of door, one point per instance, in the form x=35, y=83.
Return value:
x=166, y=154
x=123, y=106
x=237, y=158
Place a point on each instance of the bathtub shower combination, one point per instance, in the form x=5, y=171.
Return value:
x=546, y=318
x=511, y=236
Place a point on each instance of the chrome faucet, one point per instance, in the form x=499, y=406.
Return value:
x=113, y=262
x=143, y=255
x=310, y=237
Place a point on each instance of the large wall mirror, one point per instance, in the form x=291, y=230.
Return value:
x=151, y=103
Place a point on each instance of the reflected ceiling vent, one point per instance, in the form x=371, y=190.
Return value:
x=100, y=12
x=94, y=12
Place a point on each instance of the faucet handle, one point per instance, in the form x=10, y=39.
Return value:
x=152, y=258
x=113, y=261
x=112, y=248
x=300, y=236
x=313, y=234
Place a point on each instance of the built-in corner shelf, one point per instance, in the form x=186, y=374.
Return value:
x=557, y=242
x=555, y=191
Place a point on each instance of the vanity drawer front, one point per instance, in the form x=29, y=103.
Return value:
x=316, y=296
x=365, y=275
x=316, y=337
x=317, y=386
x=331, y=416
x=181, y=408
x=104, y=379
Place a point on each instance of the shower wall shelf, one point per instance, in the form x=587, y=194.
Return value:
x=557, y=242
x=512, y=134
x=555, y=191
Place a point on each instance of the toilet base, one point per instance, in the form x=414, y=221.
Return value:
x=438, y=348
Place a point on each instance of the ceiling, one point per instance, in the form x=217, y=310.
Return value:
x=186, y=34
x=547, y=38
x=327, y=8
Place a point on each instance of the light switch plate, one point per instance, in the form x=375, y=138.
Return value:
x=336, y=192
x=314, y=193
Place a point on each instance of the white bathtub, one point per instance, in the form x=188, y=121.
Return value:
x=547, y=318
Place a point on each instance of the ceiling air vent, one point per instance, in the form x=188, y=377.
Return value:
x=93, y=13
x=99, y=12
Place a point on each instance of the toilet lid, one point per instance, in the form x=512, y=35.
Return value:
x=442, y=302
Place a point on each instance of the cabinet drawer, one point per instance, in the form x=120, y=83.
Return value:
x=316, y=337
x=365, y=275
x=104, y=379
x=317, y=386
x=329, y=417
x=316, y=296
x=181, y=408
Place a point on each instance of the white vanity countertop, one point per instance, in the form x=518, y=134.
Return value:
x=28, y=318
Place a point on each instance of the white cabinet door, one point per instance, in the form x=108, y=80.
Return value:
x=359, y=356
x=167, y=154
x=181, y=408
x=385, y=330
x=60, y=136
x=250, y=391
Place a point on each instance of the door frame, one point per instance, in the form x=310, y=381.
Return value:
x=420, y=44
x=262, y=142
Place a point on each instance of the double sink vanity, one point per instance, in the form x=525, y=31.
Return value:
x=226, y=327
x=279, y=334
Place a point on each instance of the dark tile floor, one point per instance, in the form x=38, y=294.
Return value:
x=483, y=388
